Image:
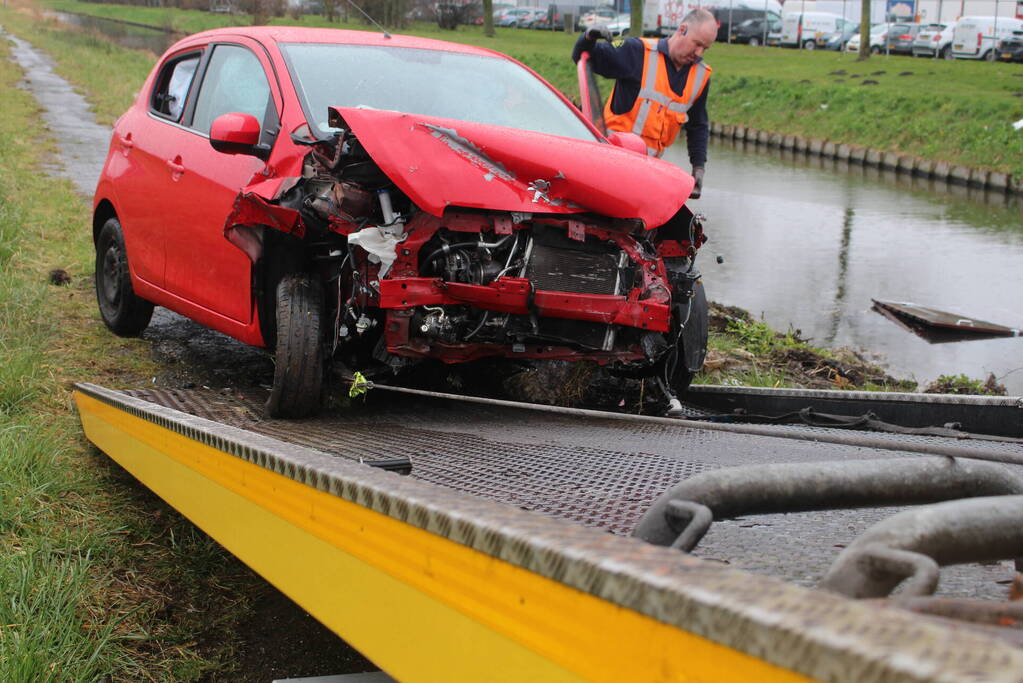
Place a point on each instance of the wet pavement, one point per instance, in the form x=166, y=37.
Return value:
x=82, y=143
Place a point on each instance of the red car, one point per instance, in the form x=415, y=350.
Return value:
x=373, y=200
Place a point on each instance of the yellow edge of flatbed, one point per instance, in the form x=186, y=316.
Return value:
x=426, y=608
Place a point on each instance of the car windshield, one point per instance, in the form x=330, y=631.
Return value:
x=430, y=82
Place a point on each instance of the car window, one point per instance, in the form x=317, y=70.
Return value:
x=172, y=86
x=450, y=85
x=234, y=82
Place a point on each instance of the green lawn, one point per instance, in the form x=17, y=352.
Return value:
x=955, y=111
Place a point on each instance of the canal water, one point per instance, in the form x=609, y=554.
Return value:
x=128, y=35
x=808, y=242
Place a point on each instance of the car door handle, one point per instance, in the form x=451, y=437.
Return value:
x=126, y=141
x=175, y=165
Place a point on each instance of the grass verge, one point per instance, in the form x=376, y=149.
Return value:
x=955, y=111
x=100, y=579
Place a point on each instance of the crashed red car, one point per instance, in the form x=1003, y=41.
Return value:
x=373, y=200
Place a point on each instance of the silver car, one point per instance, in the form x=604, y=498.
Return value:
x=934, y=40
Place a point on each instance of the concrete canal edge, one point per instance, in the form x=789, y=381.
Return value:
x=893, y=161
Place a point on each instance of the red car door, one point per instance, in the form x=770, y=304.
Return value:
x=141, y=146
x=203, y=268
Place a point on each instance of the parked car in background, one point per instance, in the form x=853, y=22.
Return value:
x=809, y=30
x=755, y=31
x=730, y=17
x=514, y=18
x=621, y=26
x=838, y=39
x=535, y=14
x=1011, y=49
x=934, y=40
x=598, y=15
x=901, y=37
x=978, y=37
x=359, y=197
x=878, y=36
x=551, y=20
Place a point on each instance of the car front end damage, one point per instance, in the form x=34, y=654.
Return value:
x=456, y=241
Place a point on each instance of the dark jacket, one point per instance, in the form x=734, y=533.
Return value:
x=624, y=63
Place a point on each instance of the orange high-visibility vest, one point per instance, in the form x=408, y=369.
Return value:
x=658, y=113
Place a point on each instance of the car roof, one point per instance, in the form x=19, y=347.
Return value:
x=301, y=34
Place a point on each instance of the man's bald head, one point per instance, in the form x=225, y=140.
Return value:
x=694, y=36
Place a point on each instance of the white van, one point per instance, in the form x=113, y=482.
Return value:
x=810, y=30
x=978, y=37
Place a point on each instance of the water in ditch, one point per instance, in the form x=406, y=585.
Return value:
x=809, y=242
x=155, y=39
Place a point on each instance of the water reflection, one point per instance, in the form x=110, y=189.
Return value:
x=128, y=35
x=808, y=242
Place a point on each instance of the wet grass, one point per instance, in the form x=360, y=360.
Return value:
x=100, y=580
x=955, y=111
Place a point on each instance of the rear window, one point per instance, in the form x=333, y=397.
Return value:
x=172, y=86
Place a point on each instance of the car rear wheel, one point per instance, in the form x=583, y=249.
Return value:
x=875, y=50
x=946, y=52
x=809, y=45
x=754, y=42
x=126, y=314
x=990, y=56
x=300, y=359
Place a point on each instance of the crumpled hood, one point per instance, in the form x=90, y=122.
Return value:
x=442, y=162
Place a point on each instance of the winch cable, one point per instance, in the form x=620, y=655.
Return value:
x=861, y=440
x=869, y=421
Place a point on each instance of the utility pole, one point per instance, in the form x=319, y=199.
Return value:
x=636, y=23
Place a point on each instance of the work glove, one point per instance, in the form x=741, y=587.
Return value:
x=698, y=187
x=597, y=32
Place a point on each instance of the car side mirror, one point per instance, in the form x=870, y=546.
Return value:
x=629, y=141
x=237, y=133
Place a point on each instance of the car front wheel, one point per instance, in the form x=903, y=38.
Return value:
x=300, y=359
x=691, y=349
x=126, y=314
x=809, y=45
x=754, y=42
x=875, y=50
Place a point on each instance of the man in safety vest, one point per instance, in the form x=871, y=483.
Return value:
x=660, y=85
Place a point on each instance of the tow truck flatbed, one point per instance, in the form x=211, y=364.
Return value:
x=505, y=554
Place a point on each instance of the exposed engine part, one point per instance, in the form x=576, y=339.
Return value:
x=436, y=324
x=912, y=545
x=469, y=262
x=364, y=323
x=681, y=516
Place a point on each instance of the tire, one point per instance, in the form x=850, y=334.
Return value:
x=946, y=52
x=691, y=349
x=300, y=360
x=990, y=56
x=875, y=50
x=754, y=42
x=809, y=45
x=126, y=314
